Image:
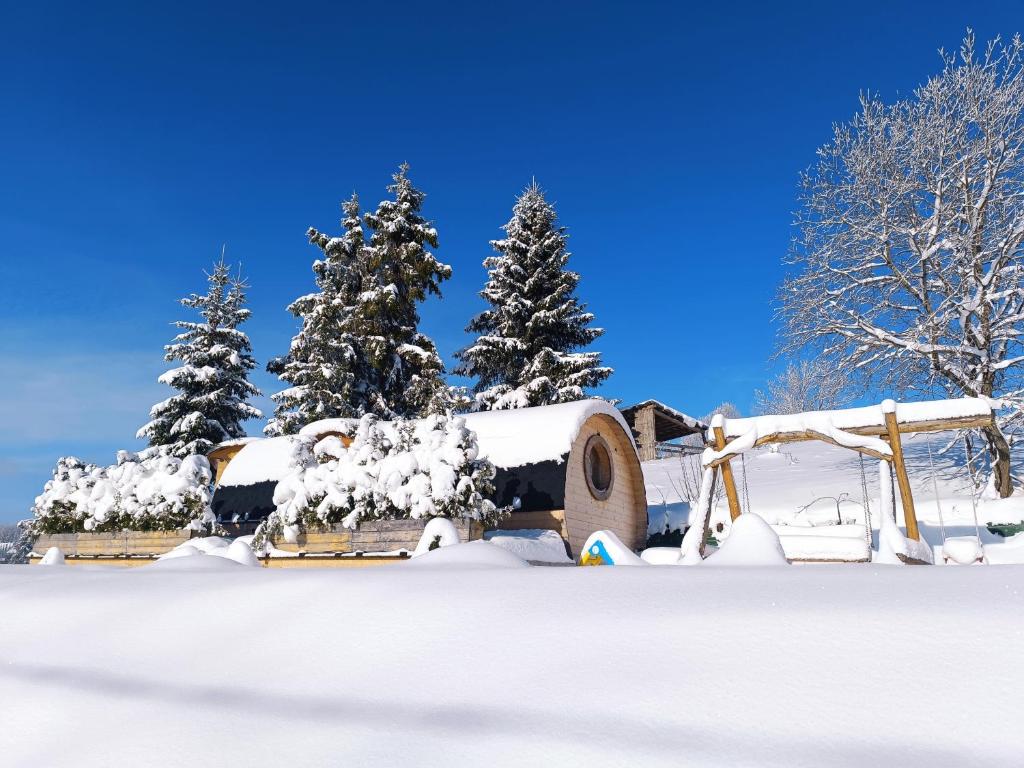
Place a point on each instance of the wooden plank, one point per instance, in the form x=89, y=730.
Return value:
x=898, y=465
x=727, y=478
x=905, y=428
x=781, y=437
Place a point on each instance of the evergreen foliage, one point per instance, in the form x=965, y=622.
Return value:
x=526, y=353
x=212, y=382
x=360, y=350
x=403, y=469
x=324, y=364
x=405, y=372
x=148, y=491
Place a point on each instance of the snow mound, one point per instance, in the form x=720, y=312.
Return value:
x=661, y=555
x=209, y=548
x=198, y=562
x=209, y=545
x=538, y=545
x=53, y=556
x=241, y=553
x=182, y=550
x=605, y=548
x=440, y=528
x=751, y=541
x=473, y=554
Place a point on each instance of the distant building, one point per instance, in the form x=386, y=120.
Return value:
x=654, y=424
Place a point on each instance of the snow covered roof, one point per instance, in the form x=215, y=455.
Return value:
x=509, y=438
x=512, y=438
x=259, y=461
x=669, y=423
x=869, y=419
x=233, y=443
x=324, y=426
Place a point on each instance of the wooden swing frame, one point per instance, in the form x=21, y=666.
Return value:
x=890, y=432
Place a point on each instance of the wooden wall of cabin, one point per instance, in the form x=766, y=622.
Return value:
x=624, y=512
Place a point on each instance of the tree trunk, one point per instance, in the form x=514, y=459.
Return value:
x=999, y=459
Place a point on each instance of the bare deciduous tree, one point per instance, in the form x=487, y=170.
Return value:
x=809, y=385
x=909, y=243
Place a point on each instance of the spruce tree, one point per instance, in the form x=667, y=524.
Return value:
x=324, y=363
x=526, y=350
x=405, y=373
x=212, y=381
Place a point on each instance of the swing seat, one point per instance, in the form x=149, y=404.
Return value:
x=824, y=543
x=963, y=550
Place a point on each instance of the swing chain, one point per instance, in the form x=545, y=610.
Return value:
x=746, y=490
x=867, y=501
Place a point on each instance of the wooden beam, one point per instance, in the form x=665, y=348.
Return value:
x=805, y=435
x=908, y=427
x=727, y=478
x=707, y=515
x=900, y=468
x=644, y=424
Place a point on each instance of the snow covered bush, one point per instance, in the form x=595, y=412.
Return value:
x=414, y=469
x=148, y=491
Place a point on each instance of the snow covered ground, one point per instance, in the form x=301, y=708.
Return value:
x=201, y=661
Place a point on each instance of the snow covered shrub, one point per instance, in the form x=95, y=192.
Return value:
x=391, y=470
x=147, y=491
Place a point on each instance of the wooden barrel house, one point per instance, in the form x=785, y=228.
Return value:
x=572, y=468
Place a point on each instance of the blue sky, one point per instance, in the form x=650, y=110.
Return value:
x=135, y=140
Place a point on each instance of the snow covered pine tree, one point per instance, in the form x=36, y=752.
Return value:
x=213, y=379
x=360, y=350
x=524, y=354
x=910, y=239
x=406, y=375
x=324, y=364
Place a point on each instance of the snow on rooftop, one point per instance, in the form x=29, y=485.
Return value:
x=521, y=436
x=236, y=441
x=860, y=418
x=323, y=426
x=688, y=420
x=260, y=461
x=508, y=438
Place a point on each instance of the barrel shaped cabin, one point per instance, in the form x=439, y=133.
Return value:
x=572, y=468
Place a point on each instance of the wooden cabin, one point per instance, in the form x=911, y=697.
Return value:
x=656, y=424
x=572, y=468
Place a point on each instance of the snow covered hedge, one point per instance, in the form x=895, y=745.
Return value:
x=147, y=491
x=391, y=470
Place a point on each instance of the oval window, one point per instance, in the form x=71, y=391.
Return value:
x=598, y=467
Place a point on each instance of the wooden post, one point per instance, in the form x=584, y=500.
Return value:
x=707, y=512
x=643, y=422
x=727, y=478
x=898, y=465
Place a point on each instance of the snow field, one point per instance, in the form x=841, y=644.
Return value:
x=453, y=666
